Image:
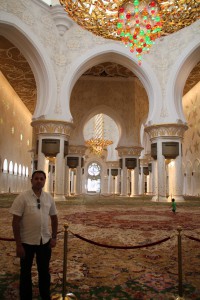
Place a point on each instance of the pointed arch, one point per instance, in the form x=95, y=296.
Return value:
x=178, y=76
x=26, y=41
x=117, y=53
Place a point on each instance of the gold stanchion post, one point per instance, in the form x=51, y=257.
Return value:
x=65, y=261
x=180, y=273
x=64, y=296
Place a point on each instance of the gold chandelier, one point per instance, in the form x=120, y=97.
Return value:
x=98, y=143
x=101, y=16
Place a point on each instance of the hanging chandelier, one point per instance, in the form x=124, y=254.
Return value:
x=101, y=16
x=97, y=144
x=136, y=23
x=139, y=25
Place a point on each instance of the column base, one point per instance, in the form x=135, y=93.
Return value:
x=159, y=198
x=59, y=197
x=178, y=198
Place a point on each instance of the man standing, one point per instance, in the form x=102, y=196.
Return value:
x=31, y=211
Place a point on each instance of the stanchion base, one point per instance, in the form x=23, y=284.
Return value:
x=69, y=296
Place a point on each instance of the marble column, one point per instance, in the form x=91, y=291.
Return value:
x=160, y=134
x=59, y=172
x=55, y=130
x=41, y=156
x=178, y=178
x=124, y=179
x=79, y=177
x=109, y=181
x=129, y=153
x=141, y=182
x=161, y=173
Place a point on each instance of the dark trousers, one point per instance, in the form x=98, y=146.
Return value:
x=43, y=255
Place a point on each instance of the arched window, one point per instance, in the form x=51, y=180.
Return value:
x=5, y=166
x=94, y=169
x=11, y=167
x=26, y=171
x=15, y=169
x=94, y=178
x=23, y=171
x=20, y=170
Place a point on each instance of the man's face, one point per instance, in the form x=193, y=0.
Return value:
x=38, y=181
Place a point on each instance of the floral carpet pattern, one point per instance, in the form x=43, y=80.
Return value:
x=94, y=272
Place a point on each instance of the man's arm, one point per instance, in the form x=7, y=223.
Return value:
x=54, y=228
x=16, y=231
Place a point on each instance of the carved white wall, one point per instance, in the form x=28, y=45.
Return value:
x=76, y=50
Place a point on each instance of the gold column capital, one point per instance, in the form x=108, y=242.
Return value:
x=52, y=127
x=166, y=130
x=112, y=164
x=77, y=149
x=129, y=151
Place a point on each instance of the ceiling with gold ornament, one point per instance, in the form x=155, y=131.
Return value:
x=20, y=76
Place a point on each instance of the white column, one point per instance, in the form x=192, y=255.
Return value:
x=124, y=174
x=65, y=176
x=132, y=183
x=46, y=170
x=176, y=177
x=113, y=184
x=178, y=180
x=79, y=177
x=72, y=181
x=67, y=181
x=141, y=182
x=116, y=184
x=154, y=177
x=161, y=182
x=59, y=172
x=184, y=184
x=75, y=182
x=43, y=163
x=118, y=178
x=50, y=179
x=148, y=184
x=128, y=182
x=109, y=182
x=84, y=181
x=41, y=156
x=104, y=183
x=136, y=179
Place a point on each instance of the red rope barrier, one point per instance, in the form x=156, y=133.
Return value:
x=120, y=247
x=192, y=238
x=7, y=239
x=13, y=240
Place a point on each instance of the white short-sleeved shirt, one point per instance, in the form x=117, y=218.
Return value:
x=34, y=224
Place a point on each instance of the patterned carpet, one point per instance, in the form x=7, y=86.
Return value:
x=94, y=272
